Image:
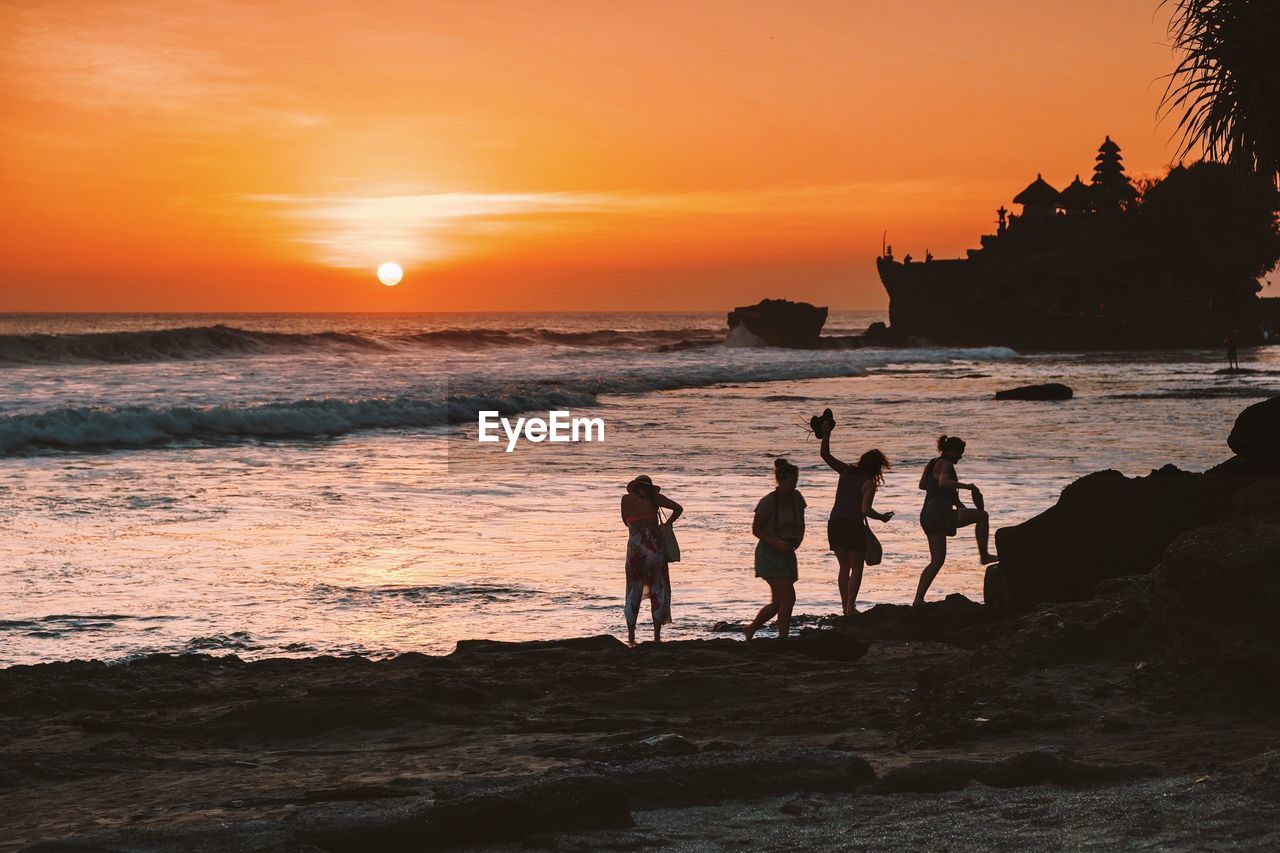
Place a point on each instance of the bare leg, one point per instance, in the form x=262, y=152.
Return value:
x=657, y=632
x=631, y=635
x=766, y=613
x=981, y=531
x=856, y=561
x=785, y=594
x=937, y=556
x=845, y=561
x=777, y=599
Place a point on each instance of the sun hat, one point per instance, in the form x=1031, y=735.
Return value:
x=646, y=480
x=817, y=421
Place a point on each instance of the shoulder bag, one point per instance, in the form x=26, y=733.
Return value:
x=667, y=536
x=874, y=552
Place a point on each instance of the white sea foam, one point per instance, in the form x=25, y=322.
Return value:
x=112, y=427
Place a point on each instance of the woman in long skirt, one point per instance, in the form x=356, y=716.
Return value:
x=647, y=572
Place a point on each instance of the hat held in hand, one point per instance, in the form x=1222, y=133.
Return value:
x=817, y=421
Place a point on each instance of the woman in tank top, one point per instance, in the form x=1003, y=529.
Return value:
x=847, y=526
x=943, y=512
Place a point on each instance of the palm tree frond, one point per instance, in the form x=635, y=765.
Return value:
x=1226, y=81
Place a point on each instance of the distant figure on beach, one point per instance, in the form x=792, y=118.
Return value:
x=847, y=526
x=779, y=525
x=943, y=513
x=647, y=571
x=1233, y=360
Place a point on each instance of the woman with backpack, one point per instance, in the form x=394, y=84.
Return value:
x=779, y=525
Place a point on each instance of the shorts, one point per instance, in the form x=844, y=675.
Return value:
x=938, y=518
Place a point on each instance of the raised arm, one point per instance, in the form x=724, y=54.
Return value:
x=836, y=465
x=868, y=501
x=676, y=509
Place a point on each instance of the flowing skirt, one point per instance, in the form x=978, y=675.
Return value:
x=772, y=563
x=647, y=574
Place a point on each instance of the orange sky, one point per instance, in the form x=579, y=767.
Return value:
x=163, y=155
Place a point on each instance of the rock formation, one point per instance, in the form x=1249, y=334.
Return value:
x=1215, y=597
x=1047, y=391
x=1256, y=433
x=781, y=323
x=1107, y=525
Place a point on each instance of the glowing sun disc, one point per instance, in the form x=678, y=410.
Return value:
x=390, y=274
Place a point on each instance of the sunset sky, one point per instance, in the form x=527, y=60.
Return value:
x=244, y=156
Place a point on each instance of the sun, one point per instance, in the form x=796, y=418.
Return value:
x=390, y=274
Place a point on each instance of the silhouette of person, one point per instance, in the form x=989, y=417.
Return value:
x=647, y=572
x=943, y=513
x=847, y=526
x=1233, y=361
x=779, y=525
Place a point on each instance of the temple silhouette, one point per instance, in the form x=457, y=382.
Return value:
x=1086, y=267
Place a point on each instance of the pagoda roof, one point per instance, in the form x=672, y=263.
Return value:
x=1077, y=195
x=1038, y=194
x=1109, y=146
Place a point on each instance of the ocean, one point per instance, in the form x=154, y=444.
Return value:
x=289, y=485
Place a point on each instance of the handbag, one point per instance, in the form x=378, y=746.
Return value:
x=667, y=536
x=874, y=552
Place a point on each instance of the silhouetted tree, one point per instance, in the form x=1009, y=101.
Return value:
x=1227, y=81
x=1216, y=226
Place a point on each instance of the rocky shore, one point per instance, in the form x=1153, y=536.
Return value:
x=1119, y=690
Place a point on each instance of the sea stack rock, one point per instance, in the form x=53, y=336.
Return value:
x=781, y=323
x=880, y=335
x=1048, y=391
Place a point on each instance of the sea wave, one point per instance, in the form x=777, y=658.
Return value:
x=193, y=343
x=142, y=426
x=643, y=339
x=437, y=594
x=187, y=343
x=110, y=428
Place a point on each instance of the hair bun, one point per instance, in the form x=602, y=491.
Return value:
x=942, y=439
x=784, y=470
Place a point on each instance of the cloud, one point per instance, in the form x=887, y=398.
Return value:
x=103, y=59
x=363, y=230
